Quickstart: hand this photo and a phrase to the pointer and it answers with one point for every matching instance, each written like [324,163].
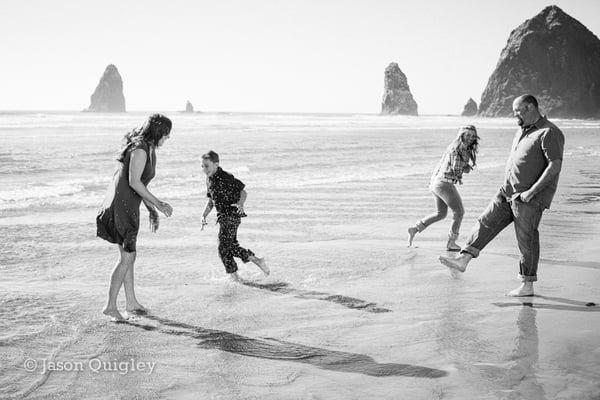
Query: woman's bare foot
[412,231]
[113,313]
[260,262]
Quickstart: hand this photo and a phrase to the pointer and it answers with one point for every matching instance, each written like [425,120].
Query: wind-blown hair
[153,129]
[460,143]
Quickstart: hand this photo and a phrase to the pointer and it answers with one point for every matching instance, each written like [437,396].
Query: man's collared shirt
[533,148]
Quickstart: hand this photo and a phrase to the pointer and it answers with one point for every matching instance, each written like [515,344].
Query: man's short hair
[529,99]
[212,156]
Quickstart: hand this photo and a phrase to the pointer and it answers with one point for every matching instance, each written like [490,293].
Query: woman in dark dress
[118,219]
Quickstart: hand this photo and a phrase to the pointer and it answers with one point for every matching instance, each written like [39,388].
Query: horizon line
[5,111]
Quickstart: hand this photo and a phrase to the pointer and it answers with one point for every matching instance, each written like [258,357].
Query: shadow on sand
[274,349]
[348,302]
[573,305]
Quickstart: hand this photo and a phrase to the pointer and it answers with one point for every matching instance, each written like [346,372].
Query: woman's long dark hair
[155,127]
[460,143]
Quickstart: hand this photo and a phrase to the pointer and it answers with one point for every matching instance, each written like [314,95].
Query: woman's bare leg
[132,305]
[116,280]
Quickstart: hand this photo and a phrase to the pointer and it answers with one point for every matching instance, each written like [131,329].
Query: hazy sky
[303,56]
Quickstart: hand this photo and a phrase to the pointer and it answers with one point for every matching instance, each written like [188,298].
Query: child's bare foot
[113,313]
[412,231]
[260,262]
[235,277]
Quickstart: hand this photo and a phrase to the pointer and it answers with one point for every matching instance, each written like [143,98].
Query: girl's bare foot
[260,262]
[113,313]
[412,231]
[235,277]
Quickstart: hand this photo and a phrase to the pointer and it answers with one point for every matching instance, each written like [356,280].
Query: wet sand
[381,321]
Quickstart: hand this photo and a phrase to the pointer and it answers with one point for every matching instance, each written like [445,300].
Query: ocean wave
[48,193]
[359,176]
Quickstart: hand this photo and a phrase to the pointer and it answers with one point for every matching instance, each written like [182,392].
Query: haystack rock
[470,108]
[397,98]
[553,57]
[108,96]
[189,108]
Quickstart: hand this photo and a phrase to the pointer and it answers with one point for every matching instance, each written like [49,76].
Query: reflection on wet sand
[521,379]
[349,302]
[287,351]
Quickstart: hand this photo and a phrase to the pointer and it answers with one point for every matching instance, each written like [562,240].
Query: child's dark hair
[153,129]
[212,156]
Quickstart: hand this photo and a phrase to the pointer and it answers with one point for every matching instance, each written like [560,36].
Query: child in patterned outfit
[459,158]
[226,193]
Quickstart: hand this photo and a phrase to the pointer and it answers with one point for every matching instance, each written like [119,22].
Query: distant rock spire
[470,108]
[397,98]
[108,96]
[553,57]
[189,108]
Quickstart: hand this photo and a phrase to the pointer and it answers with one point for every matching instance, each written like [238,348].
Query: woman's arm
[153,216]
[137,164]
[149,205]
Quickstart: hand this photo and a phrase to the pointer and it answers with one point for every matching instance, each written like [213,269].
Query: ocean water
[348,306]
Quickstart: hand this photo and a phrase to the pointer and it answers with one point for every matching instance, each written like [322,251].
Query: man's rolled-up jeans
[498,215]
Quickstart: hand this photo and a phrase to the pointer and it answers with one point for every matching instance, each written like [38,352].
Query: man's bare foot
[113,313]
[526,289]
[136,308]
[458,263]
[260,262]
[235,277]
[412,231]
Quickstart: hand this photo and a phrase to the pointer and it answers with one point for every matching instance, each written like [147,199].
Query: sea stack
[397,98]
[470,108]
[553,57]
[108,96]
[189,108]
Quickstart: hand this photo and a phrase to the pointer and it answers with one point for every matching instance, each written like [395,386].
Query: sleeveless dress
[118,220]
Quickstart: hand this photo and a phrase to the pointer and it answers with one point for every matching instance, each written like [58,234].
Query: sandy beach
[349,311]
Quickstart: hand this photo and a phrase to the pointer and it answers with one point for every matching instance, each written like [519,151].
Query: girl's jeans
[446,195]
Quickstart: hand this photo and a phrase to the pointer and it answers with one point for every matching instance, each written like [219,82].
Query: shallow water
[349,311]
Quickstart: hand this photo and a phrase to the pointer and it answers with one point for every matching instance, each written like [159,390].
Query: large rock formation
[470,108]
[189,108]
[397,98]
[108,96]
[553,57]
